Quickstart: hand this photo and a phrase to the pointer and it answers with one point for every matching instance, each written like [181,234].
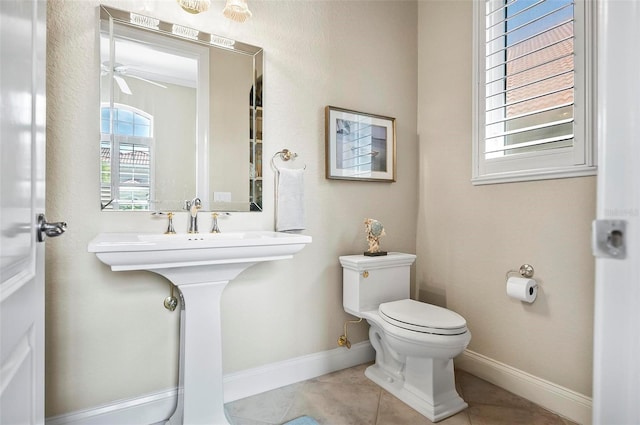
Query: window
[126,153]
[533,89]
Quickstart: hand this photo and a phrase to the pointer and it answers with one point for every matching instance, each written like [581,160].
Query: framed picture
[359,146]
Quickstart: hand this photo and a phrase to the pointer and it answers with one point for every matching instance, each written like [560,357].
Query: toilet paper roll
[522,289]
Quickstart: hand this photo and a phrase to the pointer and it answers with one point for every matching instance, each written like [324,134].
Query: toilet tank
[369,281]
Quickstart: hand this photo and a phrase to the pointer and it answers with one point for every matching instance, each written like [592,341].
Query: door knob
[49,229]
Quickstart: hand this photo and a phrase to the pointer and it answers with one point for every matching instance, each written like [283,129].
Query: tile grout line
[292,401]
[460,387]
[378,409]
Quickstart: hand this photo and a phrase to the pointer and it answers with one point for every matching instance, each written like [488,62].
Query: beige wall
[470,236]
[108,334]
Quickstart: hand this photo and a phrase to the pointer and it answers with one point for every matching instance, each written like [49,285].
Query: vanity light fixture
[144,21]
[194,6]
[221,41]
[185,32]
[237,10]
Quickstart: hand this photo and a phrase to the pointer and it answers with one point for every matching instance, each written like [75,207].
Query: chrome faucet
[193,206]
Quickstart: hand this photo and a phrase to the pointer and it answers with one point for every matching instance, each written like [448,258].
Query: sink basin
[131,251]
[207,236]
[200,265]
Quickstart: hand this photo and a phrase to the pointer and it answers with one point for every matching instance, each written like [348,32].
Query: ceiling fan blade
[124,87]
[146,81]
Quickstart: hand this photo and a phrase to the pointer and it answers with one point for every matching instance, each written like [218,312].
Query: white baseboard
[275,375]
[157,407]
[148,409]
[563,401]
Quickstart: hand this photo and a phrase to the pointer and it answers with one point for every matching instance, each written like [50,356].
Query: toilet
[415,342]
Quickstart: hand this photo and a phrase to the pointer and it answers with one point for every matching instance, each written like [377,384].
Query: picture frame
[359,146]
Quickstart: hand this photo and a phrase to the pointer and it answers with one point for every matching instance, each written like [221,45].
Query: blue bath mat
[302,420]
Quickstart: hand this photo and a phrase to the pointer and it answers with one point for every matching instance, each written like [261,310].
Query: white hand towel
[290,199]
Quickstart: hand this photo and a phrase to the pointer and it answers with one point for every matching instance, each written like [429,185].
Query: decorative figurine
[375,230]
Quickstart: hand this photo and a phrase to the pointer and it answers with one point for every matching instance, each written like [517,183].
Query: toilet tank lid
[363,262]
[422,314]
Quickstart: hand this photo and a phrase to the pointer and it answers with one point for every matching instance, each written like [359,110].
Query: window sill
[520,176]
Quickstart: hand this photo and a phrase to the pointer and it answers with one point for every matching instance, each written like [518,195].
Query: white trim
[615,335]
[531,175]
[157,407]
[275,375]
[581,158]
[563,401]
[148,409]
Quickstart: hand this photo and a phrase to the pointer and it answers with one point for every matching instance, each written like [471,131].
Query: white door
[616,392]
[22,150]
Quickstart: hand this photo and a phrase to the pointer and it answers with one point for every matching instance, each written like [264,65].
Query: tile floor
[347,397]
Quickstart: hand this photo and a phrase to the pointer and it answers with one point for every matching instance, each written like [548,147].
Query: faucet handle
[214,226]
[170,229]
[214,219]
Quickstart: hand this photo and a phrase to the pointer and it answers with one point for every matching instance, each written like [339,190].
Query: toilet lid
[422,317]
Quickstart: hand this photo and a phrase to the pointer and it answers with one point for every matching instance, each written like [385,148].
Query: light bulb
[237,10]
[194,6]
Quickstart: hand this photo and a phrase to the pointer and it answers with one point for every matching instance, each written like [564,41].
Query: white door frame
[616,374]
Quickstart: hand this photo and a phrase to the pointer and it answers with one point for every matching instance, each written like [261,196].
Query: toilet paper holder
[526,270]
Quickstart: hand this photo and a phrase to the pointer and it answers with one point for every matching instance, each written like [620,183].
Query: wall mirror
[180,116]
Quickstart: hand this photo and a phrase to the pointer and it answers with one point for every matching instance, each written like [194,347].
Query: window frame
[576,161]
[115,140]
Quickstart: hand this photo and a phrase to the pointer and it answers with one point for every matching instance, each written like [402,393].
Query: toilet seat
[422,317]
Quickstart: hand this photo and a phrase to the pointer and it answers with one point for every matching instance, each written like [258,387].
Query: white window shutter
[532,106]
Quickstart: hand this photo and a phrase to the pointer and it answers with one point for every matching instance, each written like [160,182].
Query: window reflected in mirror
[180,118]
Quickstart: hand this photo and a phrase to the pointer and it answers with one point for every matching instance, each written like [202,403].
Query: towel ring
[285,155]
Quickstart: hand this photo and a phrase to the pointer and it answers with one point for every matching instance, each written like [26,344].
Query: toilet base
[435,407]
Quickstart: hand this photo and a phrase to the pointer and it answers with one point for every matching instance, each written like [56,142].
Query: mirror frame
[158,26]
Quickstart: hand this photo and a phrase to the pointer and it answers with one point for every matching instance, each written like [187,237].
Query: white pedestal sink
[200,265]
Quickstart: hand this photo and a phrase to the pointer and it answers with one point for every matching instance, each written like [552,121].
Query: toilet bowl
[415,342]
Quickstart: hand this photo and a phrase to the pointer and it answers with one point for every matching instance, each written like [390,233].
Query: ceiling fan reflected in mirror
[120,71]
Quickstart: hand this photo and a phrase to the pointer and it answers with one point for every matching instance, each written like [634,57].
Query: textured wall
[468,237]
[108,335]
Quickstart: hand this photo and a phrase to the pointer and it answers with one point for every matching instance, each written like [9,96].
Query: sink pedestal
[200,266]
[200,392]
